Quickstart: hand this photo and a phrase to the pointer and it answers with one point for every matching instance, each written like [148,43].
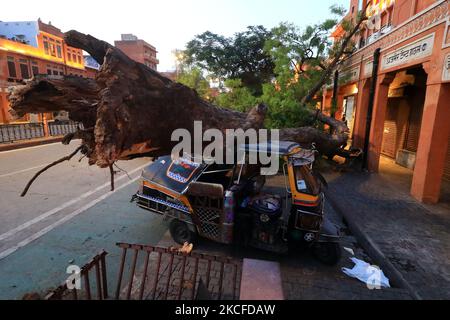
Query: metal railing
[171,275]
[155,273]
[99,283]
[21,131]
[59,128]
[28,131]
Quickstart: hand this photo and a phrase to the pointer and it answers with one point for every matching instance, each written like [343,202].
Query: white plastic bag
[372,276]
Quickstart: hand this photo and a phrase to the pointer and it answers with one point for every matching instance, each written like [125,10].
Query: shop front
[405,103]
[403,118]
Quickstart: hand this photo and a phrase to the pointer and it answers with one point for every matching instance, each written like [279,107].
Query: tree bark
[130,110]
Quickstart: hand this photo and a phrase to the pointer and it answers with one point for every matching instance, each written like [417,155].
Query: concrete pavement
[41,265]
[29,143]
[303,277]
[69,214]
[408,240]
[55,194]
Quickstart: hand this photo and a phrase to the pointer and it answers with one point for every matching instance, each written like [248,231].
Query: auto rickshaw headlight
[308,221]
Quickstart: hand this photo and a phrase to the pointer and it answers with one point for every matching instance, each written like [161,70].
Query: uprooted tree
[130,110]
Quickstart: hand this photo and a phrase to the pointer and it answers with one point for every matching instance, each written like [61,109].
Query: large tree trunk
[130,110]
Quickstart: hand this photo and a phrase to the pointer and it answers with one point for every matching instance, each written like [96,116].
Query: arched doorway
[402,125]
[404,117]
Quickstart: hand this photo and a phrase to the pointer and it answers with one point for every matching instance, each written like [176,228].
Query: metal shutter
[388,147]
[413,132]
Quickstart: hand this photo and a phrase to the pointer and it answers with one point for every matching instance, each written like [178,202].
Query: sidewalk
[303,277]
[6,146]
[408,240]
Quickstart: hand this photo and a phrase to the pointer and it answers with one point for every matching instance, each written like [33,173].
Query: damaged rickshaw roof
[174,174]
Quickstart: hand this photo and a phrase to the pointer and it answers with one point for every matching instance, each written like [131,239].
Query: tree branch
[66,158]
[327,73]
[111,172]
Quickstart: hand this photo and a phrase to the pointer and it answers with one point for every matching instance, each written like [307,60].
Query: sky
[169,24]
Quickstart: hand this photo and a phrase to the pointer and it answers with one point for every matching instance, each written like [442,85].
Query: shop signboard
[419,49]
[350,75]
[368,69]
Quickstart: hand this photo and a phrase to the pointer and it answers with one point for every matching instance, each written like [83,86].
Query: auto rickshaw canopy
[175,175]
[289,150]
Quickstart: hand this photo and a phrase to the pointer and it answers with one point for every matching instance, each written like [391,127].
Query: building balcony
[386,29]
[151,58]
[151,61]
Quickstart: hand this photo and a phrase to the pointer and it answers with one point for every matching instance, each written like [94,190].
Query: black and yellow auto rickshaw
[227,204]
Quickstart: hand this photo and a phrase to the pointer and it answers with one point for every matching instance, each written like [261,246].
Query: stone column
[45,125]
[3,107]
[378,117]
[433,144]
[361,106]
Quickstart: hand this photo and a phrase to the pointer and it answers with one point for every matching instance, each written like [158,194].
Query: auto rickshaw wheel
[328,253]
[181,233]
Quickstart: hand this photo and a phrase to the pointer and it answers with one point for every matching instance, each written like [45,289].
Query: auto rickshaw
[226,203]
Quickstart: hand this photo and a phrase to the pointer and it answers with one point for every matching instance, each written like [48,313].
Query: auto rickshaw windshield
[305,181]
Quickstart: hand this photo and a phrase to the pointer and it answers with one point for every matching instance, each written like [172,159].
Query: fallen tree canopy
[130,110]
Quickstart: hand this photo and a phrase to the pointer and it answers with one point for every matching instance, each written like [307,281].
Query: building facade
[407,116]
[138,50]
[30,48]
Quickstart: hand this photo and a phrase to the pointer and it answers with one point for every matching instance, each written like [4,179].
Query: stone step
[261,280]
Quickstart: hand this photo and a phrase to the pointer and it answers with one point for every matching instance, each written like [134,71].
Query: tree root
[111,171]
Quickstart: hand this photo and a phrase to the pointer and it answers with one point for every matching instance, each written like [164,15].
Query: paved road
[303,277]
[68,216]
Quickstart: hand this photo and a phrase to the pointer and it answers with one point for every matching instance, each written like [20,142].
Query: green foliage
[237,96]
[193,78]
[347,25]
[238,57]
[300,57]
[277,67]
[300,54]
[284,108]
[338,10]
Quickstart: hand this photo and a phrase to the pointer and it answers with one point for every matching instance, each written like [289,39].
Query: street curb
[27,144]
[374,251]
